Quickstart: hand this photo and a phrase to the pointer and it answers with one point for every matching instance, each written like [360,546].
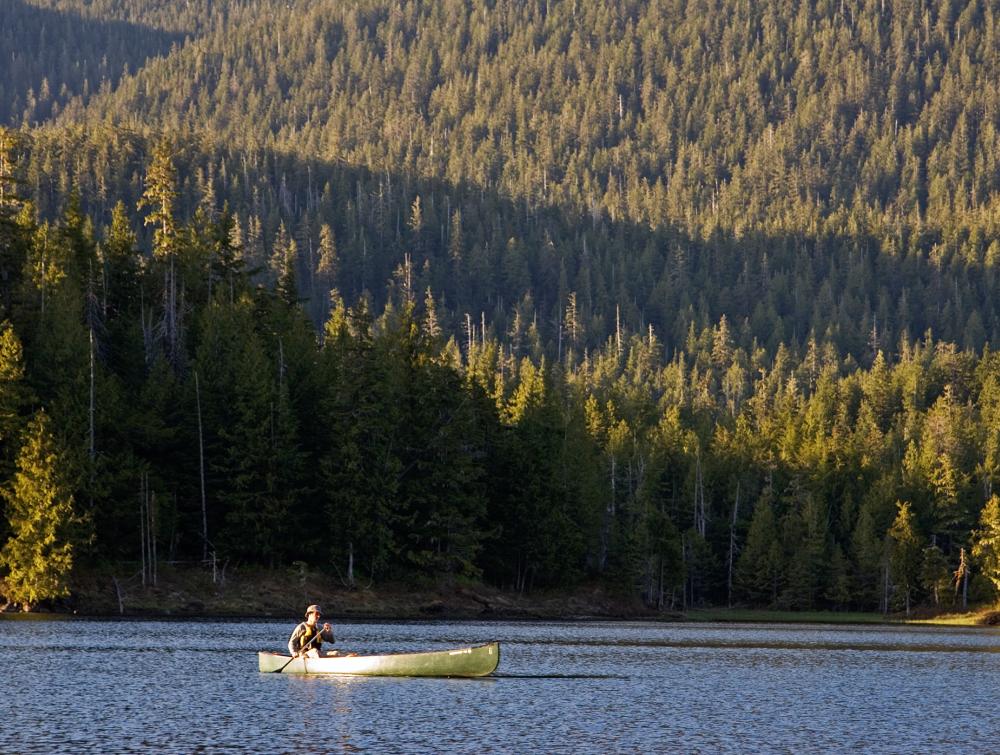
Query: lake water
[76,686]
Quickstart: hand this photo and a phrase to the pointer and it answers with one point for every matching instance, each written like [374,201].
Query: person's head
[313,613]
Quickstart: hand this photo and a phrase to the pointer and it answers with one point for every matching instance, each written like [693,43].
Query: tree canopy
[698,302]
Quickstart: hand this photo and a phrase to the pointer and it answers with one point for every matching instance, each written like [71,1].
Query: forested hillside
[694,298]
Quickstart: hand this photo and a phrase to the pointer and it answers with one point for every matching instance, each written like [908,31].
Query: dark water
[180,686]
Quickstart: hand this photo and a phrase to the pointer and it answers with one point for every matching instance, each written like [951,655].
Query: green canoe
[473,661]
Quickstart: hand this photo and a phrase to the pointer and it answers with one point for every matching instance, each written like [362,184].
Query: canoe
[479,660]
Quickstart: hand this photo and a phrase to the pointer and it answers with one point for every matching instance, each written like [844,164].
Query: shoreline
[262,594]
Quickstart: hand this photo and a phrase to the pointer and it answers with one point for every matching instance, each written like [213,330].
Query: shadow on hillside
[518,258]
[67,55]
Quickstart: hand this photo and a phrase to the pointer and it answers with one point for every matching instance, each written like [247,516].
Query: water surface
[193,686]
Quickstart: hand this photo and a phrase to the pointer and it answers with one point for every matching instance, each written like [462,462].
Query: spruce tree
[904,555]
[986,541]
[935,576]
[160,198]
[13,395]
[40,508]
[759,570]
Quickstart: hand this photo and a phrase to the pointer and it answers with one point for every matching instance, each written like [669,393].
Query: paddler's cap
[314,609]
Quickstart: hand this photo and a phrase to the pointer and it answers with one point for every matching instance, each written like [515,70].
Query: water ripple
[183,687]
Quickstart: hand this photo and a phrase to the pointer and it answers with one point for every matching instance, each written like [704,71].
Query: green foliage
[905,554]
[600,300]
[935,576]
[868,549]
[16,221]
[760,568]
[762,179]
[394,453]
[358,470]
[13,393]
[44,527]
[986,546]
[806,536]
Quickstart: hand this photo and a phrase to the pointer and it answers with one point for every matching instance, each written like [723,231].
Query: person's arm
[327,634]
[293,641]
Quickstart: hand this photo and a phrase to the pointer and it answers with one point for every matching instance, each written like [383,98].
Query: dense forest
[695,299]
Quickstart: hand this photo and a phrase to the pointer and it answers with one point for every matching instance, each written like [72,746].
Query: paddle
[301,651]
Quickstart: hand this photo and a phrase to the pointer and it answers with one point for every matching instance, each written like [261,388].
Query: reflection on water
[183,686]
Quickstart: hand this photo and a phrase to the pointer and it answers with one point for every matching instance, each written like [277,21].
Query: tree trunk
[684,587]
[885,589]
[350,564]
[201,470]
[143,530]
[152,537]
[732,547]
[118,593]
[91,450]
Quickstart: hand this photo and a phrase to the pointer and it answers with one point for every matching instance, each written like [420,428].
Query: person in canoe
[308,637]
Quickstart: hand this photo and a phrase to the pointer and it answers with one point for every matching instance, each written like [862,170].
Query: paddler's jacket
[303,633]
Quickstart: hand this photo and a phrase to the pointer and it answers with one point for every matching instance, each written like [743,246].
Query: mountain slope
[798,167]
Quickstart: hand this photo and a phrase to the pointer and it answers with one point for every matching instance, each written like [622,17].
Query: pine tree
[327,265]
[327,270]
[986,541]
[759,569]
[805,534]
[868,552]
[120,258]
[160,197]
[10,194]
[14,396]
[14,232]
[286,285]
[904,555]
[40,509]
[431,326]
[257,511]
[840,589]
[227,256]
[665,571]
[935,576]
[416,225]
[359,466]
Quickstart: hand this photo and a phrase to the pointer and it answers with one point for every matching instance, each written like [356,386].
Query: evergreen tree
[986,544]
[868,551]
[13,398]
[590,239]
[358,464]
[805,533]
[840,589]
[45,528]
[935,576]
[904,555]
[327,270]
[160,197]
[13,236]
[759,569]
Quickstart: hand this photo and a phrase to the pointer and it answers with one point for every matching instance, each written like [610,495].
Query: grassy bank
[980,617]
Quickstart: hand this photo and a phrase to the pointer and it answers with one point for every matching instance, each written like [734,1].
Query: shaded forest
[693,299]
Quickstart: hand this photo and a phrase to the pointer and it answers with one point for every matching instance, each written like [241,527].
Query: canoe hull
[480,660]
